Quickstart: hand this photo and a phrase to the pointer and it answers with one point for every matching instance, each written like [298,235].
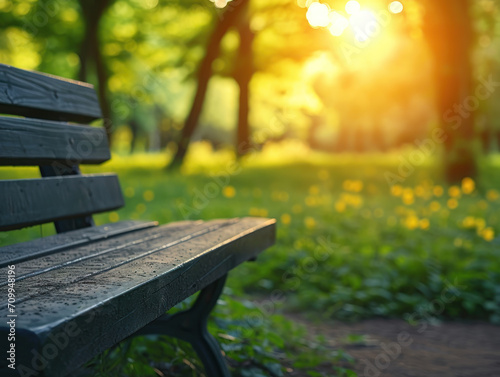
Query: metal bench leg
[191,326]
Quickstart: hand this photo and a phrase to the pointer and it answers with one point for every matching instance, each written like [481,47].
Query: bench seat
[80,292]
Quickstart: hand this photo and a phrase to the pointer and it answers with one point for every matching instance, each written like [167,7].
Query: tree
[90,52]
[227,20]
[243,72]
[449,33]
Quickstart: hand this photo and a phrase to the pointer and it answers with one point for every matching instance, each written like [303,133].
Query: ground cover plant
[350,246]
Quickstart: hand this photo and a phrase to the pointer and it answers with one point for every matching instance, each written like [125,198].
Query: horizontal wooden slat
[40,275]
[29,202]
[103,303]
[43,96]
[51,258]
[26,141]
[17,253]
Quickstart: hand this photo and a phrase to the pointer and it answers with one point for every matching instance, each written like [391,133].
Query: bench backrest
[48,136]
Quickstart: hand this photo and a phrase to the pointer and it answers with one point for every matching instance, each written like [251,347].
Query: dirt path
[396,349]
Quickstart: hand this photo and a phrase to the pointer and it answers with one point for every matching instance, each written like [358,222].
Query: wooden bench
[85,289]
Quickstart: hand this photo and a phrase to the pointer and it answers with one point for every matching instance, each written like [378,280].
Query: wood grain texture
[37,95]
[99,249]
[110,302]
[26,141]
[54,271]
[73,240]
[28,202]
[58,170]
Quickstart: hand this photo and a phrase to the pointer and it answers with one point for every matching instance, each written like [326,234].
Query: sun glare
[339,24]
[396,7]
[317,15]
[364,25]
[352,7]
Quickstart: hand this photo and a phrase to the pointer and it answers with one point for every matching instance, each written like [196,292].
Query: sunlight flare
[338,24]
[220,3]
[352,7]
[317,15]
[364,25]
[396,7]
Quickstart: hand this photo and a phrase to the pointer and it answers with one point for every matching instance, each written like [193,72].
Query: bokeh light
[396,7]
[301,3]
[317,15]
[220,3]
[352,7]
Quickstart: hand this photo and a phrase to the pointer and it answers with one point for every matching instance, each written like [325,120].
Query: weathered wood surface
[125,247]
[29,202]
[107,291]
[17,253]
[26,141]
[37,95]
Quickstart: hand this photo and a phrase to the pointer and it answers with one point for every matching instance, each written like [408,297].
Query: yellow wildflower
[229,191]
[469,222]
[397,190]
[492,195]
[412,222]
[314,190]
[435,206]
[419,191]
[129,192]
[468,186]
[286,219]
[438,191]
[114,217]
[309,222]
[340,206]
[454,192]
[408,197]
[254,211]
[488,234]
[480,224]
[148,195]
[424,224]
[452,203]
[357,186]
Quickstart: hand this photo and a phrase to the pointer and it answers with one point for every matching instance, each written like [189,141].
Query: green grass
[348,247]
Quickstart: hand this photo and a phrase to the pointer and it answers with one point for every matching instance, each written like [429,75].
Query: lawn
[349,247]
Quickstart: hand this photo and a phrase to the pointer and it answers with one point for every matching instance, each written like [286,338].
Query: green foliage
[253,348]
[348,247]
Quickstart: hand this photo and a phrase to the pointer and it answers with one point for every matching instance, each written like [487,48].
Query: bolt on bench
[89,287]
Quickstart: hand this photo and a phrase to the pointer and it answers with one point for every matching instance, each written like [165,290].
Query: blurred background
[370,130]
[335,77]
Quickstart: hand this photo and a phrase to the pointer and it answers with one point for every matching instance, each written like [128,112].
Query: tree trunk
[91,52]
[449,32]
[227,20]
[243,74]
